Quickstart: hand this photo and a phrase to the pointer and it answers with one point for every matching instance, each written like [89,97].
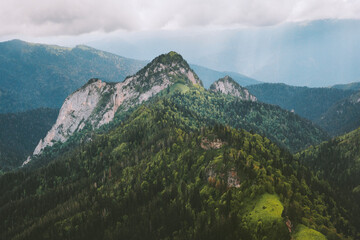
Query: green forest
[20,132]
[179,167]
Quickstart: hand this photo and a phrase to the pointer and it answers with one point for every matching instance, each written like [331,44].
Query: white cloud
[74,17]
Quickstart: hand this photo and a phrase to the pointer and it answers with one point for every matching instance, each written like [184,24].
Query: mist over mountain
[316,53]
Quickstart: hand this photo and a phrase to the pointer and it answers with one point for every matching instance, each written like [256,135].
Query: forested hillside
[159,175]
[309,103]
[20,132]
[338,161]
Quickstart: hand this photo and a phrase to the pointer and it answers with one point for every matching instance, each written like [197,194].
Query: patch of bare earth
[215,144]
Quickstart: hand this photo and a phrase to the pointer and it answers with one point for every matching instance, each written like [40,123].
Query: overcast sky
[41,18]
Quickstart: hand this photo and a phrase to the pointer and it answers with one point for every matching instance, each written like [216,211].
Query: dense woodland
[336,109]
[338,161]
[187,164]
[166,171]
[19,134]
[310,103]
[288,130]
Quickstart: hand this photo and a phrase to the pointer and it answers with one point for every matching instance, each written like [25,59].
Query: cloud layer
[74,17]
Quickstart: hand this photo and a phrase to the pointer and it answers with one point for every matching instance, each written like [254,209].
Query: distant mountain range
[37,75]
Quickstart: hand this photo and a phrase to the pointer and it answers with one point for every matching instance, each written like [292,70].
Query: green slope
[309,103]
[156,176]
[304,233]
[338,161]
[202,107]
[283,127]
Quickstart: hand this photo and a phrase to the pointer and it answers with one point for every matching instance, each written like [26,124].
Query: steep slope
[20,132]
[309,103]
[38,75]
[338,161]
[155,176]
[342,117]
[227,85]
[209,76]
[96,103]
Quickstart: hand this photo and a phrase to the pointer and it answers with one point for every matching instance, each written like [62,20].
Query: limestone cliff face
[227,85]
[97,102]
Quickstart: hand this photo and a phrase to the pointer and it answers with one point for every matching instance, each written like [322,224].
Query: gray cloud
[74,17]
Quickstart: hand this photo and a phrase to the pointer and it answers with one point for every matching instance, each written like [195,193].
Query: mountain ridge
[96,103]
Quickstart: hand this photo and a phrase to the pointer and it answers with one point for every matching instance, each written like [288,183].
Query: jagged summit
[96,102]
[167,68]
[227,85]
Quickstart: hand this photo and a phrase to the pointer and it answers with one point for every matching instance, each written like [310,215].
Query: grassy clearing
[267,209]
[304,233]
[179,87]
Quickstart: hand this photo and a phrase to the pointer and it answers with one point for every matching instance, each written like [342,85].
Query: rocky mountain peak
[96,102]
[167,68]
[227,85]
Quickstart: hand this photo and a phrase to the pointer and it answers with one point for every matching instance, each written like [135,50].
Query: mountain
[156,175]
[20,132]
[38,75]
[209,76]
[227,85]
[96,103]
[310,103]
[349,86]
[343,116]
